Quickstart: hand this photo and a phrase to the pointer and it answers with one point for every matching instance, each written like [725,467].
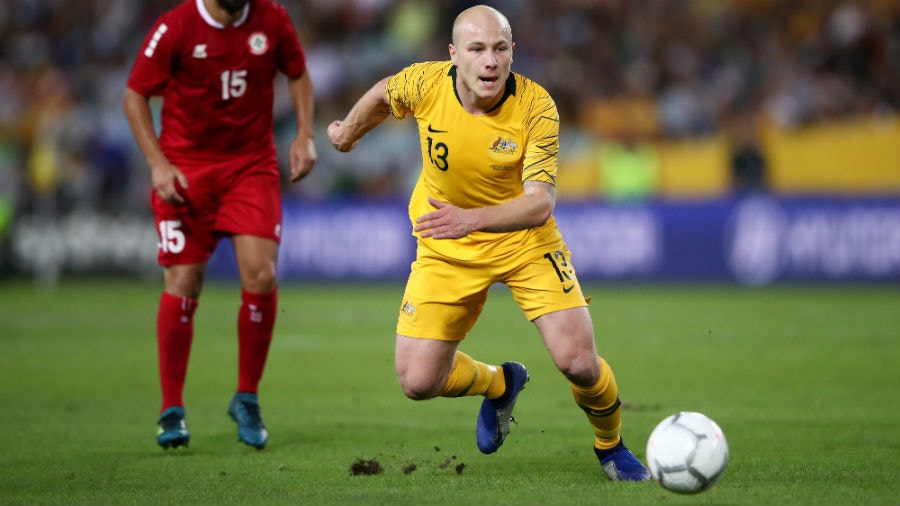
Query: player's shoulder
[427,69]
[270,6]
[185,10]
[532,96]
[418,79]
[527,87]
[270,15]
[180,17]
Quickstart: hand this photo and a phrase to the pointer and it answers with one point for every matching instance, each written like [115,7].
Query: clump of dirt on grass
[369,467]
[446,463]
[366,467]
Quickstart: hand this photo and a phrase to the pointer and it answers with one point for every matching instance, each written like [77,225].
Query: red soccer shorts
[240,196]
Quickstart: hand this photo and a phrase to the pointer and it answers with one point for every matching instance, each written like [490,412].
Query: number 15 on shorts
[171,238]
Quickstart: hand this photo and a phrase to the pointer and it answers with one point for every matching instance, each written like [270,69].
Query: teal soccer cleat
[621,465]
[496,414]
[172,431]
[244,409]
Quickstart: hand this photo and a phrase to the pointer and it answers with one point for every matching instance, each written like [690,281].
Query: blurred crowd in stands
[618,69]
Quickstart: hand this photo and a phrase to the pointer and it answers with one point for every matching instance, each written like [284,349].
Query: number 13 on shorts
[564,271]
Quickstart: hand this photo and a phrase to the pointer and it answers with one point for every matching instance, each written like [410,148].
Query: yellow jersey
[478,160]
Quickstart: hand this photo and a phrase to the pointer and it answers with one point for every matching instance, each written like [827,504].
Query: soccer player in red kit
[215,174]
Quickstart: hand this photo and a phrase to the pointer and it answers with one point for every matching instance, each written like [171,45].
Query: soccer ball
[687,453]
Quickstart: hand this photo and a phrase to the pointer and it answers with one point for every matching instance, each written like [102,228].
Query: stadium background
[755,141]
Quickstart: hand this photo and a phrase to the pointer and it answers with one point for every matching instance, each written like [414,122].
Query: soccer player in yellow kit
[482,214]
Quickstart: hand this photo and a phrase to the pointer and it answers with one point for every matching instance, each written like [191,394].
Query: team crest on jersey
[258,43]
[505,146]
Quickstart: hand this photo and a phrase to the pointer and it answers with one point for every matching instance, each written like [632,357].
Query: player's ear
[452,49]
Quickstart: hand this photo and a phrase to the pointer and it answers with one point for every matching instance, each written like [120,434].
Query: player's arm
[303,149]
[532,209]
[165,175]
[368,112]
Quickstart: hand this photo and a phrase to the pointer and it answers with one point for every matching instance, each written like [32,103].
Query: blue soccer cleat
[172,431]
[621,465]
[244,409]
[496,414]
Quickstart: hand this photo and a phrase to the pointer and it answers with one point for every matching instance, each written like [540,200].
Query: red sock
[256,320]
[174,333]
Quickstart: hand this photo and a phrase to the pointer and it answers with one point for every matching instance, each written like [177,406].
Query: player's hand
[303,157]
[335,129]
[166,181]
[445,222]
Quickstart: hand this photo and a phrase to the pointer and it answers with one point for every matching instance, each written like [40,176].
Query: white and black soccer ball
[687,452]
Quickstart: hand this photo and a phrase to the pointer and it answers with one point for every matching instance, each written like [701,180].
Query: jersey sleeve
[291,58]
[542,122]
[152,67]
[406,89]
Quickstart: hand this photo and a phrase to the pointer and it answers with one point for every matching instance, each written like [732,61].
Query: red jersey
[217,82]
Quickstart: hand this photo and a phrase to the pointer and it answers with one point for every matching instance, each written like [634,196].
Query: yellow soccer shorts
[445,296]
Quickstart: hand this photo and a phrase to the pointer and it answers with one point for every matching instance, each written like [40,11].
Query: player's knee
[417,395]
[260,280]
[419,389]
[580,368]
[184,280]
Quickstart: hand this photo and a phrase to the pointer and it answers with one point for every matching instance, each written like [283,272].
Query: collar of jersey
[508,90]
[215,24]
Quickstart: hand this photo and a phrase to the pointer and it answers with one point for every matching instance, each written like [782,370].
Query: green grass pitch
[802,379]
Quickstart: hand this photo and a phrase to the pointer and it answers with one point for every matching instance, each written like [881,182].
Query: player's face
[482,53]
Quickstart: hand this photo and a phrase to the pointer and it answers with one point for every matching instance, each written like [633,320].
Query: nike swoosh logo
[569,289]
[432,130]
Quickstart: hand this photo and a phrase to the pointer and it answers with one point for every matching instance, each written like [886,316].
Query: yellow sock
[601,404]
[471,377]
